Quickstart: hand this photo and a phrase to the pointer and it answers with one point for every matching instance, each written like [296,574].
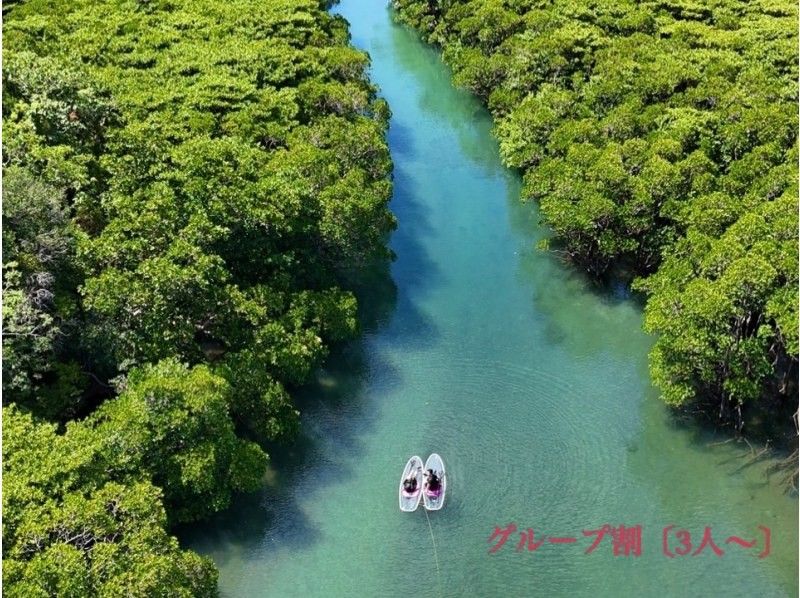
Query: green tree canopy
[186,185]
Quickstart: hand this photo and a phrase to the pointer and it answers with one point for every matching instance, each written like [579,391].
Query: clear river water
[531,384]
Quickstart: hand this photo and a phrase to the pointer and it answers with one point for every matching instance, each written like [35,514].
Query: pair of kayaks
[433,499]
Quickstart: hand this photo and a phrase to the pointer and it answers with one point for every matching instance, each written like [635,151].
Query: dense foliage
[185,185]
[659,137]
[70,529]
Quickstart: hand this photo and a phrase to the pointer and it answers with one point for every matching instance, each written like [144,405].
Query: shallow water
[532,386]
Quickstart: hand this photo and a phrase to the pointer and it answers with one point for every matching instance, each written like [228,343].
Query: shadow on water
[401,140]
[768,435]
[414,271]
[334,413]
[466,115]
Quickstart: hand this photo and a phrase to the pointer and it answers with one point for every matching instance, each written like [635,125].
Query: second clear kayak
[435,486]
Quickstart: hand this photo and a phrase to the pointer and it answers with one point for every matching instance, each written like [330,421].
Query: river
[530,384]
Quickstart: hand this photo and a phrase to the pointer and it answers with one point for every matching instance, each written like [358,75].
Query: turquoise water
[531,385]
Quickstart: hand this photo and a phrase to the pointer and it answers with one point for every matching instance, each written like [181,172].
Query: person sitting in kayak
[410,485]
[434,482]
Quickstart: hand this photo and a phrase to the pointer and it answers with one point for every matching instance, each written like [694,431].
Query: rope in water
[435,554]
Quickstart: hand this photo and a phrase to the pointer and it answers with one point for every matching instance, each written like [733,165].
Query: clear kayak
[409,500]
[434,496]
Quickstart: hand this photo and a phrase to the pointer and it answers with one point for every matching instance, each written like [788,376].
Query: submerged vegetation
[660,138]
[185,185]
